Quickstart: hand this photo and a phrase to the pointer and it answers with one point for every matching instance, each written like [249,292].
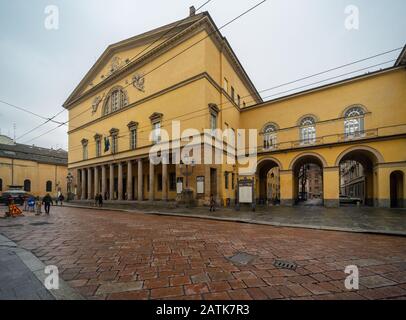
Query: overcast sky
[280,41]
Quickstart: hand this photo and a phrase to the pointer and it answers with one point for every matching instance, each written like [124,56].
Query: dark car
[349,200]
[17,195]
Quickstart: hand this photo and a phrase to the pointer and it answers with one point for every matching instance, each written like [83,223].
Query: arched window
[269,136]
[116,100]
[308,130]
[49,186]
[27,185]
[354,122]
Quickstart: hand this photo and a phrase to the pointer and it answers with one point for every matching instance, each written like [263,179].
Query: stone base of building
[383,203]
[331,203]
[287,202]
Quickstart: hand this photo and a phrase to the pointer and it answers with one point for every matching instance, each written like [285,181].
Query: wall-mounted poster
[245,191]
[200,185]
[179,185]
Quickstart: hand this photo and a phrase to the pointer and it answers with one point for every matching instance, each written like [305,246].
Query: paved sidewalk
[349,219]
[22,276]
[17,282]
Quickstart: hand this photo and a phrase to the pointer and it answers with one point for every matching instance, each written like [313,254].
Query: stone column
[140,180]
[151,181]
[120,181]
[129,180]
[104,186]
[89,183]
[164,182]
[83,187]
[111,191]
[96,181]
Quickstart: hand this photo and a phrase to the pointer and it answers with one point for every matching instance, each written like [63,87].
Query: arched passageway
[396,189]
[357,185]
[308,180]
[268,182]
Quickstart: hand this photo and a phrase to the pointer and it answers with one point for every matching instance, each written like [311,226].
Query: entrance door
[213,182]
[396,189]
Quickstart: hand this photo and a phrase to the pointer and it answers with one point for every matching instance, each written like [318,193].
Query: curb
[37,267]
[250,221]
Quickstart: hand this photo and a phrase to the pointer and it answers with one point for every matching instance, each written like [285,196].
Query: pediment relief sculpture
[139,81]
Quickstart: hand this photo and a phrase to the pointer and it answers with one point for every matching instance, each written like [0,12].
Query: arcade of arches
[316,177]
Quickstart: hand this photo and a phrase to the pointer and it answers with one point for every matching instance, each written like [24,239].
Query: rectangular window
[213,121]
[232,94]
[98,148]
[156,127]
[226,180]
[172,181]
[85,153]
[114,144]
[133,139]
[225,85]
[233,181]
[239,100]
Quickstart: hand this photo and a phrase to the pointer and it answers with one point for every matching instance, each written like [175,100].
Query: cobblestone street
[117,255]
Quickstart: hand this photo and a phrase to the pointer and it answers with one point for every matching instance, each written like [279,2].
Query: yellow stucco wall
[15,172]
[183,88]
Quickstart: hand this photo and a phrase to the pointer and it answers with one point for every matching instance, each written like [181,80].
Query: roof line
[323,87]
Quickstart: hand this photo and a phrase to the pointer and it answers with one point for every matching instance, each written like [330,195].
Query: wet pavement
[353,219]
[105,254]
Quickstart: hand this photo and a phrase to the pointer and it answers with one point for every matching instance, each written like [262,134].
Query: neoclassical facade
[187,72]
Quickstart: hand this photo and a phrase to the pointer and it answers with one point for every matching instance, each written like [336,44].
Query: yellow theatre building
[36,170]
[187,71]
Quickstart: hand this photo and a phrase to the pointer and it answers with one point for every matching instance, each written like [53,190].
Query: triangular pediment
[120,55]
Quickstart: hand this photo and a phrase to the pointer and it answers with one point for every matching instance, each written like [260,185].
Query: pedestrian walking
[100,200]
[212,203]
[61,199]
[38,206]
[47,201]
[25,204]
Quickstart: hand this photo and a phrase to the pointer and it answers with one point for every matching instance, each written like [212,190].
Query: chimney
[192,11]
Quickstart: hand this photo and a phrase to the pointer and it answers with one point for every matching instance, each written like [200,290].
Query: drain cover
[285,264]
[39,223]
[242,258]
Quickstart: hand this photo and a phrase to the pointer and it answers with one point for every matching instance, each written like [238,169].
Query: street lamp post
[69,179]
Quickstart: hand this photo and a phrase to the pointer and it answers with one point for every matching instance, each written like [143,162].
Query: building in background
[310,182]
[36,170]
[352,180]
[187,71]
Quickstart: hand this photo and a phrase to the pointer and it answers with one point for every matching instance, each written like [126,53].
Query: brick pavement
[117,255]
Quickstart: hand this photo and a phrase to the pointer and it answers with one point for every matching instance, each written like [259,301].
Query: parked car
[349,200]
[17,195]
